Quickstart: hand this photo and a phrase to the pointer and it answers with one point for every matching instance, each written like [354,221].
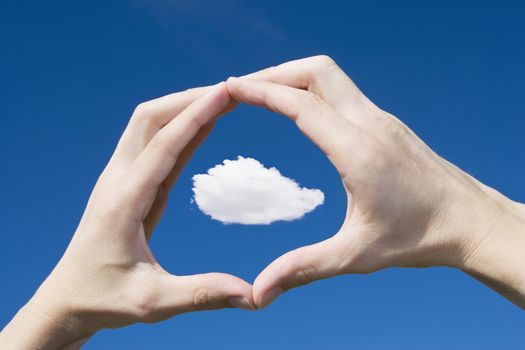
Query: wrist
[495,254]
[45,323]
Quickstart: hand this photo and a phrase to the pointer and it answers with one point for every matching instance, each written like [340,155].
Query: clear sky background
[71,73]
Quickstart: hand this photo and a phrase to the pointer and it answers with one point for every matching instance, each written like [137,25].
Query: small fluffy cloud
[243,191]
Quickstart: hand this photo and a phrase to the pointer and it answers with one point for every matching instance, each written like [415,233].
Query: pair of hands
[406,207]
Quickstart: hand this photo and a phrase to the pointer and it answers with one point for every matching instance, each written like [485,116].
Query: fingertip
[296,268]
[265,289]
[211,291]
[231,83]
[220,95]
[268,297]
[237,291]
[240,293]
[240,302]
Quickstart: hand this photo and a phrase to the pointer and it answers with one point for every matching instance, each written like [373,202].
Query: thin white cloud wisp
[243,191]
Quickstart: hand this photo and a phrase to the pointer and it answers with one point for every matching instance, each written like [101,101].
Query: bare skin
[108,276]
[406,207]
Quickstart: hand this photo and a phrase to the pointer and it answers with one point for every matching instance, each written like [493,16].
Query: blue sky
[72,72]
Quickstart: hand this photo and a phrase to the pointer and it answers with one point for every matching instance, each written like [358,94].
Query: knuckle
[142,109]
[307,274]
[143,113]
[202,300]
[324,61]
[320,67]
[321,64]
[390,124]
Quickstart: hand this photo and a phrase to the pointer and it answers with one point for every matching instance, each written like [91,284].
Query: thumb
[297,267]
[210,291]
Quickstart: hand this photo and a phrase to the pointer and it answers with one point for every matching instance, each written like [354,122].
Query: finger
[320,75]
[179,294]
[159,204]
[188,152]
[155,163]
[162,196]
[296,268]
[331,132]
[148,118]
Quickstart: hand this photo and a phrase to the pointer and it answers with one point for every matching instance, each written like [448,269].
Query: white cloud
[243,191]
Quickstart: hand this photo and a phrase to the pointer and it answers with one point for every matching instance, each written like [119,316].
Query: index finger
[158,159]
[317,120]
[320,75]
[148,118]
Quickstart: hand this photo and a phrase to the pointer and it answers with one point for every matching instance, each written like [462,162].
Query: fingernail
[224,99]
[270,296]
[240,303]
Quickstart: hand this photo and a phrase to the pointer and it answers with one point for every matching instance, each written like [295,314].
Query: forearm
[498,260]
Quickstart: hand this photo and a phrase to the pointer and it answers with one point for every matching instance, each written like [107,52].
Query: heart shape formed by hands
[402,201]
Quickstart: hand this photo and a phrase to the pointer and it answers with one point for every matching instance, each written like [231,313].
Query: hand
[406,205]
[108,277]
